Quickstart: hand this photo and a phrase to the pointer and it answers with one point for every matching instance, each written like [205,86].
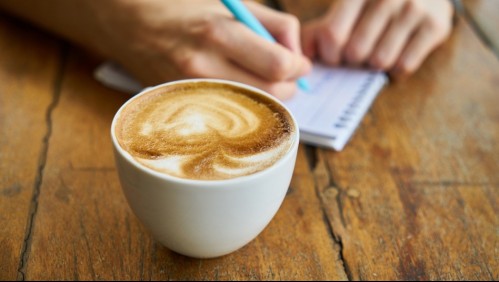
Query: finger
[414,53]
[266,59]
[285,28]
[336,29]
[309,39]
[374,20]
[214,65]
[393,40]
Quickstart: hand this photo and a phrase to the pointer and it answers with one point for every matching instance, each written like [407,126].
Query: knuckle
[210,29]
[190,64]
[414,8]
[333,36]
[385,3]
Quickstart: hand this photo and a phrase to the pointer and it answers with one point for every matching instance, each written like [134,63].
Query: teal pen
[242,14]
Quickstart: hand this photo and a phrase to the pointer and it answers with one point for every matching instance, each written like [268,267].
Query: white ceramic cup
[204,218]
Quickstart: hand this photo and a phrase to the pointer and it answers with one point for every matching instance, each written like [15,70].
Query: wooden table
[414,195]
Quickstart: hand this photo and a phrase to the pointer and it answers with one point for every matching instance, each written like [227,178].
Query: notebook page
[335,105]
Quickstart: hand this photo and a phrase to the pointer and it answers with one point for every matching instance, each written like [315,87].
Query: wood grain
[85,230]
[424,170]
[414,196]
[28,76]
[305,10]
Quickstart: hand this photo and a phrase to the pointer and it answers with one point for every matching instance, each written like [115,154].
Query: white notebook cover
[327,115]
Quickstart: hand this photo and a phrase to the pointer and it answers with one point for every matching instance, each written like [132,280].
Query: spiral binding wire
[351,110]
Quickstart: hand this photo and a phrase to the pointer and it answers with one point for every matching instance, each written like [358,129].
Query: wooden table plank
[85,230]
[304,10]
[413,196]
[483,13]
[28,74]
[415,193]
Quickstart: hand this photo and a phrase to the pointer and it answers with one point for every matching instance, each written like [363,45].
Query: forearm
[80,21]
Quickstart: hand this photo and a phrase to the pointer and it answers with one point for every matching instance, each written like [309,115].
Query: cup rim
[204,182]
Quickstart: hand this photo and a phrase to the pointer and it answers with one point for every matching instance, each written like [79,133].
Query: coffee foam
[205,130]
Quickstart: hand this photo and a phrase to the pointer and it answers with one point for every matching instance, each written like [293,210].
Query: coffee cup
[194,203]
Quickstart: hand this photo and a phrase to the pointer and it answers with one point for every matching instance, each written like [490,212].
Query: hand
[163,40]
[177,39]
[390,35]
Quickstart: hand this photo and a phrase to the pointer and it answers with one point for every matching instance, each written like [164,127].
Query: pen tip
[303,85]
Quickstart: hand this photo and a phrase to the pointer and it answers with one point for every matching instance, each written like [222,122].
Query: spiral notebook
[327,115]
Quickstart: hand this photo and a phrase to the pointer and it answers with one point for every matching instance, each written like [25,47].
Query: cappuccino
[205,130]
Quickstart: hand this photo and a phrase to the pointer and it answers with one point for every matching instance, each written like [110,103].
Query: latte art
[205,130]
